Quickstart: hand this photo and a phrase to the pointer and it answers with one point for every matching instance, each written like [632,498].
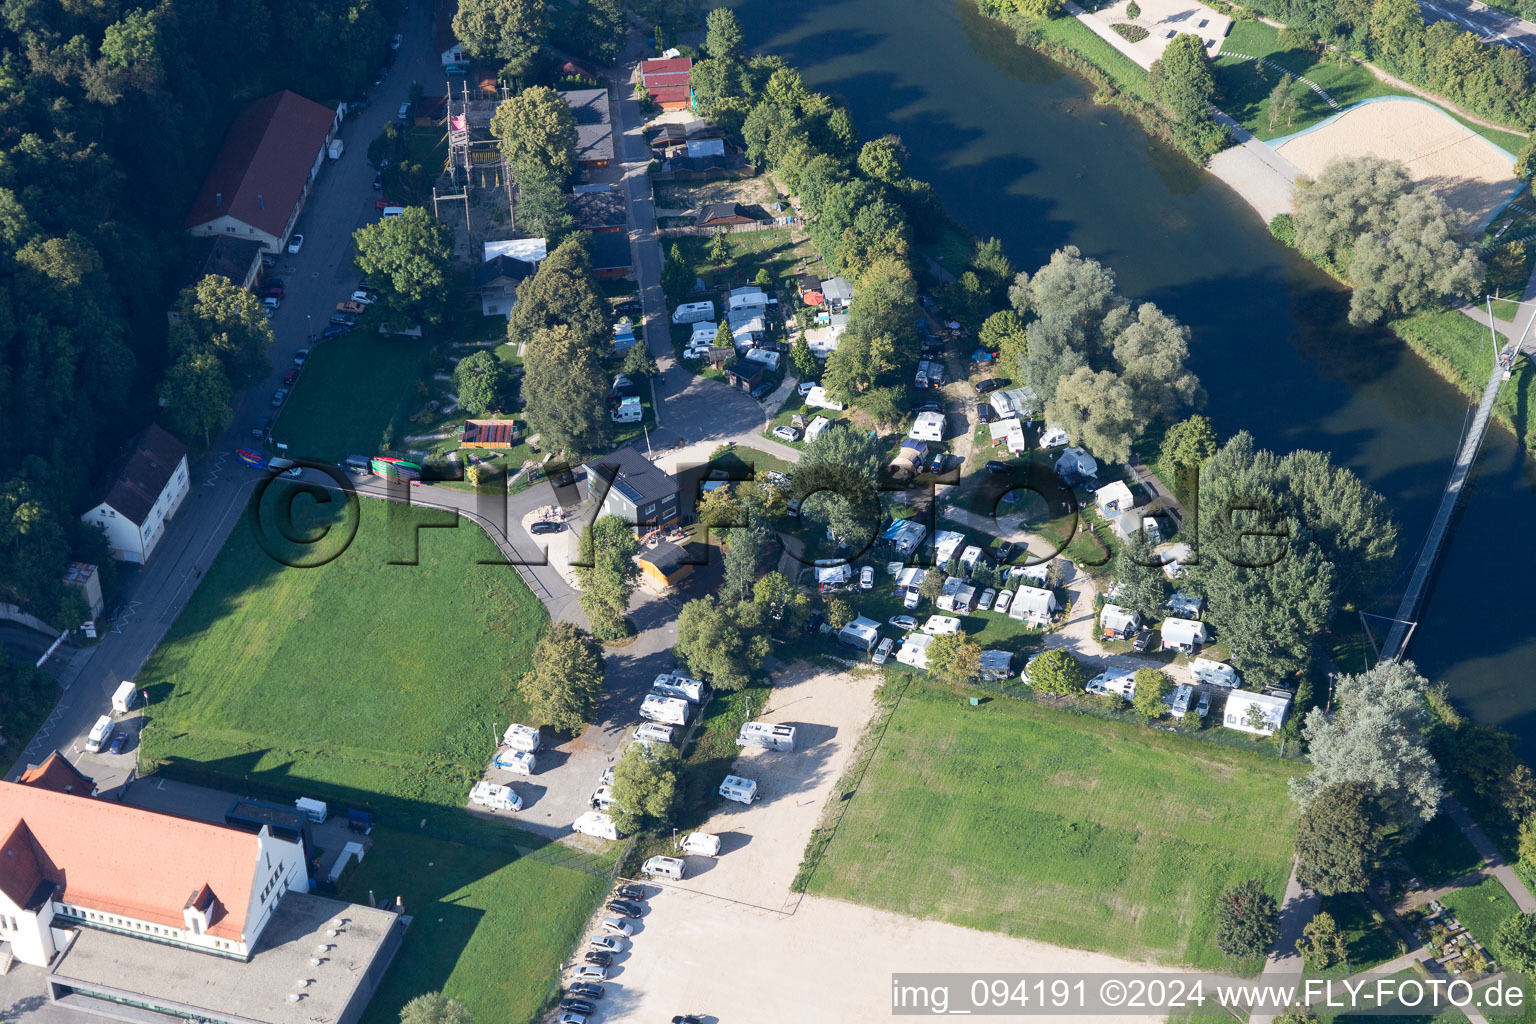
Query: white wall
[279,867]
[122,535]
[29,934]
[227,226]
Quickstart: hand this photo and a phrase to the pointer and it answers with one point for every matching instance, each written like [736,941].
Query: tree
[719,249]
[1282,102]
[541,208]
[1181,79]
[511,31]
[954,658]
[1296,1015]
[646,786]
[1149,350]
[722,36]
[483,383]
[1322,944]
[1151,687]
[1397,35]
[716,641]
[435,1008]
[781,600]
[723,337]
[838,613]
[609,578]
[719,508]
[1139,582]
[677,275]
[1189,442]
[197,395]
[1422,258]
[1337,840]
[1098,411]
[803,360]
[1004,333]
[1246,920]
[216,316]
[565,685]
[1057,671]
[598,29]
[1350,197]
[638,362]
[1516,942]
[537,129]
[882,159]
[743,552]
[1132,10]
[836,482]
[1527,841]
[564,391]
[1375,738]
[409,258]
[1525,160]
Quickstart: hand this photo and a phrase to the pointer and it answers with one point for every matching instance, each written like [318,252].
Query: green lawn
[491,927]
[1244,86]
[1073,34]
[1368,940]
[773,249]
[1462,351]
[1481,909]
[1018,818]
[347,395]
[358,681]
[1441,853]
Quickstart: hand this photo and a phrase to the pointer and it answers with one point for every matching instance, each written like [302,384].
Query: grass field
[774,250]
[359,681]
[347,395]
[1244,86]
[1016,818]
[1462,351]
[491,927]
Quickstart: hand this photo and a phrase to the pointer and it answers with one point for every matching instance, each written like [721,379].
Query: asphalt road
[1491,23]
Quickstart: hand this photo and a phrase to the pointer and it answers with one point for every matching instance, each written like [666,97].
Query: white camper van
[99,734]
[316,809]
[702,844]
[494,797]
[667,710]
[663,867]
[124,696]
[690,690]
[595,823]
[518,762]
[766,734]
[736,788]
[523,737]
[654,732]
[602,798]
[693,312]
[629,411]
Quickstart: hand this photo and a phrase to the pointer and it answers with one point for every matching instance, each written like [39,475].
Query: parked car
[295,244]
[395,41]
[119,738]
[629,307]
[805,387]
[272,302]
[455,69]
[1007,550]
[335,331]
[912,598]
[618,926]
[607,943]
[263,425]
[991,384]
[883,651]
[1203,707]
[625,908]
[366,296]
[544,526]
[624,892]
[929,407]
[572,1018]
[786,433]
[289,377]
[601,957]
[590,972]
[985,413]
[997,467]
[300,357]
[586,990]
[577,1005]
[344,319]
[984,602]
[279,396]
[1004,599]
[904,622]
[272,291]
[355,308]
[936,464]
[1141,640]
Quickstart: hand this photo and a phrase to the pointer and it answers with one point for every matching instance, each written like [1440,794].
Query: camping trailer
[123,697]
[664,867]
[690,690]
[316,809]
[523,737]
[736,788]
[702,844]
[1213,673]
[693,312]
[767,735]
[654,732]
[595,823]
[667,710]
[494,797]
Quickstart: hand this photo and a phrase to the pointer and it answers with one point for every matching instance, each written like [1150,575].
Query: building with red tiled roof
[264,171]
[59,776]
[144,490]
[667,80]
[67,860]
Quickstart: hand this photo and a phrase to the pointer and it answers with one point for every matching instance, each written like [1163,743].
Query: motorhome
[1213,673]
[124,696]
[629,411]
[523,737]
[691,690]
[99,734]
[598,824]
[654,732]
[316,809]
[494,797]
[602,799]
[767,735]
[736,788]
[664,867]
[518,762]
[702,844]
[693,312]
[667,710]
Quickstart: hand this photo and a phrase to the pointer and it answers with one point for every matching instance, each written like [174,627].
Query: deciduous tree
[564,391]
[197,395]
[1098,411]
[483,383]
[717,642]
[1322,944]
[509,31]
[1151,687]
[1246,920]
[537,129]
[1181,79]
[646,786]
[803,360]
[609,577]
[408,257]
[1139,583]
[1057,671]
[217,316]
[565,684]
[1338,839]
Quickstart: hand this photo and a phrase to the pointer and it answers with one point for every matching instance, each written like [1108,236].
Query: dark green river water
[1016,148]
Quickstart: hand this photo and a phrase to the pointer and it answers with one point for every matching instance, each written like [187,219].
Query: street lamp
[307,330]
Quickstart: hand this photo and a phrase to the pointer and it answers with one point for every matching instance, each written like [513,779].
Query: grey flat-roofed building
[131,977]
[594,133]
[631,487]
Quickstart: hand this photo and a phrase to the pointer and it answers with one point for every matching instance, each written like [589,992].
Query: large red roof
[265,161]
[665,66]
[118,859]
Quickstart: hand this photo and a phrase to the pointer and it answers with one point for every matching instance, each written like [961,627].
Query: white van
[404,113]
[629,411]
[663,867]
[693,312]
[690,690]
[518,762]
[316,809]
[667,710]
[702,844]
[767,735]
[603,798]
[595,823]
[736,788]
[494,797]
[124,696]
[523,737]
[393,211]
[99,734]
[654,732]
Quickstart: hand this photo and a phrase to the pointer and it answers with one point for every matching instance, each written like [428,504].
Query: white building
[838,293]
[1034,606]
[145,490]
[1261,714]
[1115,621]
[928,427]
[1114,497]
[454,55]
[1183,634]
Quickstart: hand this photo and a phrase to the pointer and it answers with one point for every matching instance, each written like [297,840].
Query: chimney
[218,199]
[261,203]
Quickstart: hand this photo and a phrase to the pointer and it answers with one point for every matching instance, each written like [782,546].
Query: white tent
[1183,634]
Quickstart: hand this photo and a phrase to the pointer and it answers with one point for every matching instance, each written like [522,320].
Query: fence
[730,229]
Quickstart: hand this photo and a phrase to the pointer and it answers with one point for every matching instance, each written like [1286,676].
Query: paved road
[1491,23]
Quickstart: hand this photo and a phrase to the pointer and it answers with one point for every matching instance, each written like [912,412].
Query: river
[1016,148]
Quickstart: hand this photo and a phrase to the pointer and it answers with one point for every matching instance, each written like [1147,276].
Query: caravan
[523,737]
[664,867]
[316,809]
[693,312]
[666,710]
[690,690]
[494,797]
[595,823]
[736,788]
[123,697]
[766,735]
